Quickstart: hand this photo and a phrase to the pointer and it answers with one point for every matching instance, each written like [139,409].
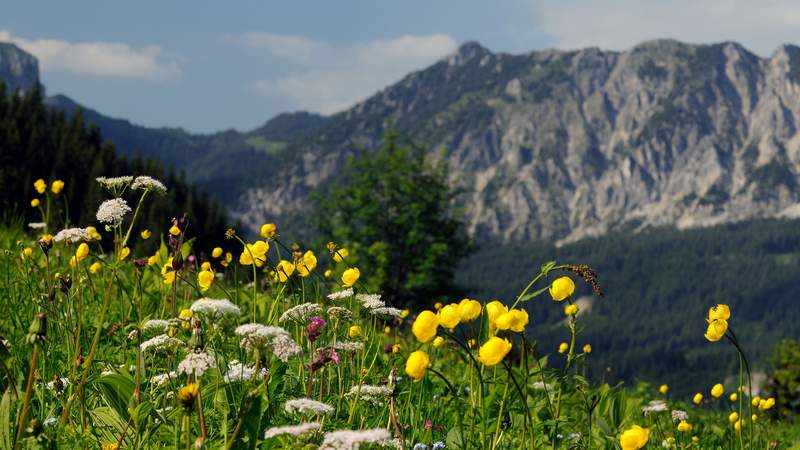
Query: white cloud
[620,24]
[329,78]
[104,59]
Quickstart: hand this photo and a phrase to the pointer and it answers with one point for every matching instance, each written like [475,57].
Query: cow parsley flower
[155,326]
[370,301]
[307,406]
[215,309]
[349,346]
[301,313]
[350,439]
[341,294]
[113,211]
[146,183]
[339,313]
[161,342]
[655,406]
[386,312]
[72,235]
[240,372]
[292,430]
[37,225]
[115,184]
[370,394]
[163,378]
[268,338]
[197,364]
[678,415]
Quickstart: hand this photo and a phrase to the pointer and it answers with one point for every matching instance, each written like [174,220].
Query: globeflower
[354,331]
[205,278]
[684,427]
[717,390]
[255,253]
[716,330]
[268,230]
[123,253]
[563,347]
[733,417]
[340,254]
[449,317]
[514,320]
[697,398]
[571,309]
[587,349]
[734,396]
[764,405]
[469,309]
[562,288]
[95,267]
[417,364]
[35,202]
[350,276]
[56,187]
[307,263]
[167,272]
[174,230]
[217,252]
[93,233]
[719,312]
[284,270]
[493,351]
[495,309]
[634,438]
[425,326]
[145,234]
[438,342]
[40,186]
[663,389]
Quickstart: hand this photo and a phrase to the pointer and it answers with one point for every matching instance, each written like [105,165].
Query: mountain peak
[466,52]
[18,68]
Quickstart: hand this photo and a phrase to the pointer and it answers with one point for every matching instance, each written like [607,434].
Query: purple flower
[314,329]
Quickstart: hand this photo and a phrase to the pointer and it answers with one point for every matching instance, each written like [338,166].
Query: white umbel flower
[307,406]
[655,406]
[386,312]
[37,225]
[370,301]
[268,338]
[239,372]
[349,346]
[155,326]
[72,235]
[301,313]
[163,378]
[215,309]
[146,183]
[114,183]
[350,439]
[197,364]
[292,430]
[113,211]
[678,415]
[341,294]
[337,312]
[370,394]
[162,342]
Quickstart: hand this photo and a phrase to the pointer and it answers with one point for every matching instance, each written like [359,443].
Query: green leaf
[547,267]
[531,295]
[116,390]
[5,420]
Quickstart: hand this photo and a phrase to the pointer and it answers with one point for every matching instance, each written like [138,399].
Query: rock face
[566,144]
[18,69]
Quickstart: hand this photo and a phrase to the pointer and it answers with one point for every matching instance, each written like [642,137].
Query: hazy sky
[211,65]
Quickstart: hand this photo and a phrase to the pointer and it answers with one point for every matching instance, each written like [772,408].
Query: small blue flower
[466,390]
[438,445]
[420,447]
[50,420]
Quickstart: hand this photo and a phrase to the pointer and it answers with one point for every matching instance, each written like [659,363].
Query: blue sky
[207,66]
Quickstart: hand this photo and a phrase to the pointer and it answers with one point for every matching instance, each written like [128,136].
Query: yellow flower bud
[327,273]
[417,364]
[123,253]
[716,330]
[396,348]
[354,331]
[205,278]
[571,309]
[205,266]
[756,400]
[734,396]
[425,326]
[449,316]
[95,267]
[697,398]
[145,234]
[587,348]
[82,252]
[684,427]
[563,347]
[733,417]
[562,288]
[217,252]
[663,389]
[174,230]
[717,390]
[35,202]
[93,233]
[350,276]
[494,309]
[493,351]
[268,230]
[56,187]
[40,186]
[719,312]
[438,342]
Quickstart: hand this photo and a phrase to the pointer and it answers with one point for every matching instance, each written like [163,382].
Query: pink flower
[315,328]
[428,424]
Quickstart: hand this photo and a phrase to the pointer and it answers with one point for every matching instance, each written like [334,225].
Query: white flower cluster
[337,312]
[162,342]
[239,372]
[58,385]
[538,385]
[37,225]
[370,394]
[114,183]
[655,406]
[307,406]
[113,211]
[163,378]
[155,326]
[386,312]
[146,183]
[349,346]
[268,338]
[341,294]
[292,430]
[214,309]
[370,301]
[72,235]
[350,439]
[301,313]
[678,415]
[197,364]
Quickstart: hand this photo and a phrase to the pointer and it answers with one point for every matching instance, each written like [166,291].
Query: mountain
[19,70]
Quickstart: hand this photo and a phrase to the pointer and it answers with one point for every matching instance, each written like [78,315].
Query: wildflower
[764,405]
[438,342]
[339,313]
[268,338]
[738,425]
[214,309]
[113,211]
[145,234]
[387,330]
[495,309]
[755,401]
[405,312]
[563,347]
[292,430]
[37,225]
[123,253]
[514,320]
[174,230]
[350,439]
[72,235]
[350,276]
[663,389]
[679,415]
[205,278]
[354,331]
[449,316]
[716,330]
[437,306]
[307,263]
[93,234]
[95,267]
[685,427]
[420,446]
[719,312]
[345,293]
[562,288]
[155,325]
[438,445]
[196,364]
[417,364]
[145,183]
[734,396]
[40,186]
[717,390]
[268,230]
[655,406]
[697,398]
[587,349]
[301,313]
[109,446]
[187,395]
[754,417]
[386,312]
[571,309]
[35,202]
[733,417]
[634,438]
[217,252]
[284,271]
[82,252]
[370,394]
[161,343]
[348,346]
[314,329]
[115,184]
[167,272]
[396,348]
[425,327]
[493,351]
[340,254]
[370,301]
[307,406]
[27,252]
[327,273]
[56,187]
[227,260]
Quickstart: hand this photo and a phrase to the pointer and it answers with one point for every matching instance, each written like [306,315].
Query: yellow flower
[205,266]
[307,263]
[738,425]
[563,347]
[717,390]
[174,230]
[587,348]
[340,254]
[268,230]
[733,417]
[354,331]
[109,446]
[417,364]
[205,278]
[571,309]
[93,233]
[684,427]
[73,262]
[754,417]
[167,272]
[35,202]
[438,342]
[56,187]
[228,258]
[493,351]
[257,252]
[27,252]
[123,253]
[716,330]
[634,438]
[387,330]
[425,326]
[95,267]
[327,273]
[187,395]
[449,316]
[764,405]
[756,400]
[472,343]
[153,259]
[697,398]
[82,252]
[663,389]
[495,309]
[47,238]
[562,288]
[145,234]
[734,396]
[469,309]
[514,320]
[719,312]
[396,348]
[350,276]
[217,252]
[186,315]
[404,313]
[40,186]
[284,270]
